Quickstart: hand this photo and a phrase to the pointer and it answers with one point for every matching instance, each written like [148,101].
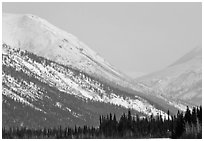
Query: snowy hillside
[46,87]
[38,36]
[58,80]
[180,81]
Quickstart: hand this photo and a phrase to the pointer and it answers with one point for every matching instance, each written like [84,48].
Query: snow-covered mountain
[181,81]
[51,78]
[34,34]
[33,84]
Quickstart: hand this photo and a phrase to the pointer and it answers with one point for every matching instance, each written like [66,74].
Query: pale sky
[136,38]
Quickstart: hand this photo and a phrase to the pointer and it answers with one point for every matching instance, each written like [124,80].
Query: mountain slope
[36,35]
[180,81]
[58,80]
[45,91]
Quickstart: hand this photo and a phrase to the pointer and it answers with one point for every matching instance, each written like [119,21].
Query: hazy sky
[134,37]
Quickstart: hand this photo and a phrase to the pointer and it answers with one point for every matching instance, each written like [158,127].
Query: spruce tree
[194,116]
[188,115]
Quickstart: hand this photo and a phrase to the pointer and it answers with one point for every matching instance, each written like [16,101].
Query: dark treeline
[182,125]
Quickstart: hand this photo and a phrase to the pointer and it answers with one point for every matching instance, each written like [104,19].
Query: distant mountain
[181,81]
[50,78]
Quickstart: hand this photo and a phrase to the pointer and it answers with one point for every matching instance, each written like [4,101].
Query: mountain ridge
[54,43]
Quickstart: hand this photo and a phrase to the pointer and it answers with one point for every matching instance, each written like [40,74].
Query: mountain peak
[27,27]
[36,35]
